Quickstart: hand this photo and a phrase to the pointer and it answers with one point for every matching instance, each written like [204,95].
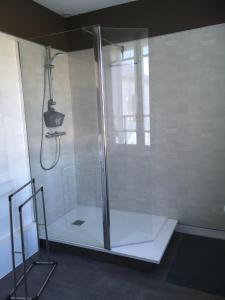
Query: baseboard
[206,232]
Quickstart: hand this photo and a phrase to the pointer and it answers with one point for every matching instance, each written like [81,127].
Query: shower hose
[57,138]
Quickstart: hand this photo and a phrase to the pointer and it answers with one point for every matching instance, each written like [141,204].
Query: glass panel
[124,89]
[131,138]
[130,123]
[126,69]
[145,85]
[147,139]
[70,151]
[146,123]
[120,138]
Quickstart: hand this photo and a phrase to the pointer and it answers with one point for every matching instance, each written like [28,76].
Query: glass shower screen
[95,171]
[126,80]
[73,187]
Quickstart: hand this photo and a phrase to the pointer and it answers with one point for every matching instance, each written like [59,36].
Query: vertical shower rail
[23,278]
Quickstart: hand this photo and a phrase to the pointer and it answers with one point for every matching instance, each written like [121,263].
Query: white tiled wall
[188,126]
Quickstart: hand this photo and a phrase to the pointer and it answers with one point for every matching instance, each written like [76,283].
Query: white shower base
[137,235]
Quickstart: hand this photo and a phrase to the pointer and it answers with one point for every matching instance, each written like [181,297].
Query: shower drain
[78,222]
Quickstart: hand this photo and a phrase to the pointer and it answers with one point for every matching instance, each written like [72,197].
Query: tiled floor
[80,278]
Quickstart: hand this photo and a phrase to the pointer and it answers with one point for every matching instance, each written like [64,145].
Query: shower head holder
[51,102]
[49,65]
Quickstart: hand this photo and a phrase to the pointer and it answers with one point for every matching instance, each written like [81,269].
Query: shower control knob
[51,102]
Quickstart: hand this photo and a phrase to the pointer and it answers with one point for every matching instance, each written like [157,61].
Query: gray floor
[82,278]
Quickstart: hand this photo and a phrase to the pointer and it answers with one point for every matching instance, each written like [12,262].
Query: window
[130,83]
[145,95]
[125,99]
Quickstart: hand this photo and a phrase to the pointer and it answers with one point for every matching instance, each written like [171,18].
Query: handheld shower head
[50,59]
[54,56]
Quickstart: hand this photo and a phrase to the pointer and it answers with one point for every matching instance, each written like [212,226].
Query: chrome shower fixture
[121,47]
[51,118]
[50,60]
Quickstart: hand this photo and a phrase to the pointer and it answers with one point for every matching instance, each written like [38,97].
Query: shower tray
[87,236]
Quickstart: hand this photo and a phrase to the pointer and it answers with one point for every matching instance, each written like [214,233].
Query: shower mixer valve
[51,102]
[54,134]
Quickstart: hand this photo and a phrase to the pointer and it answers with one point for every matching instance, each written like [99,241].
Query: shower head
[54,56]
[50,61]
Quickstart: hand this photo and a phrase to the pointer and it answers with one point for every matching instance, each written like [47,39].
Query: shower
[51,118]
[100,197]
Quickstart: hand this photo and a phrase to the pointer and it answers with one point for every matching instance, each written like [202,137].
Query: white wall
[187,84]
[14,167]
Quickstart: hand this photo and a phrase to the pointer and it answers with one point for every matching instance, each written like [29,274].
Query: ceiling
[69,8]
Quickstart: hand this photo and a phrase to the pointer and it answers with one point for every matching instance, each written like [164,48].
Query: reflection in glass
[124,99]
[146,101]
[130,94]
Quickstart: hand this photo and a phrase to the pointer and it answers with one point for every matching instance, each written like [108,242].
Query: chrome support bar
[53,264]
[101,104]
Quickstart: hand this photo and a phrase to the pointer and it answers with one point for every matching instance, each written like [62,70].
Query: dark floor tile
[200,264]
[80,278]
